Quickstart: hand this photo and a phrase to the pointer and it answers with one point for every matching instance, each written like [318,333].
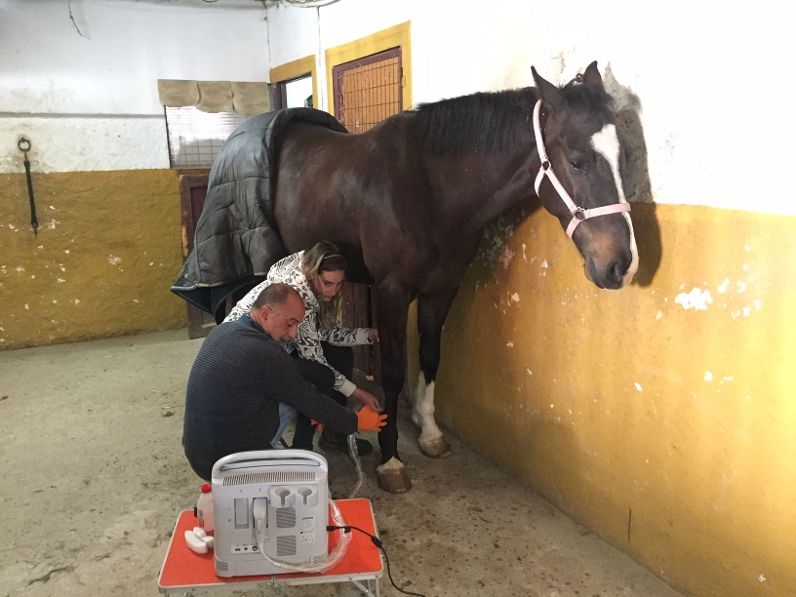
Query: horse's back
[340,187]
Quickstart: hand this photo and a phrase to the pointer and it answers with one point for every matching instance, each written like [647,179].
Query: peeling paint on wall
[695,299]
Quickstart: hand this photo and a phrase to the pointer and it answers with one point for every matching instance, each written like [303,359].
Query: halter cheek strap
[546,169]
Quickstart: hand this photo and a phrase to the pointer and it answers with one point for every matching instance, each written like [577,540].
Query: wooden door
[193,190]
[366,91]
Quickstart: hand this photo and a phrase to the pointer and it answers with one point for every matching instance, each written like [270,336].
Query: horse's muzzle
[617,274]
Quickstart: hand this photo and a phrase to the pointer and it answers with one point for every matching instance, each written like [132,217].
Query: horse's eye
[576,165]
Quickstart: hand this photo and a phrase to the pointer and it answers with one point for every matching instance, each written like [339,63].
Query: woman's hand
[367,399]
[373,335]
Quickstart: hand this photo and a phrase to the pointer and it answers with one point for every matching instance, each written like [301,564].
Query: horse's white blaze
[423,411]
[393,464]
[607,143]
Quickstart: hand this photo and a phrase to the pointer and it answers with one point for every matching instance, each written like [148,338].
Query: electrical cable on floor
[377,542]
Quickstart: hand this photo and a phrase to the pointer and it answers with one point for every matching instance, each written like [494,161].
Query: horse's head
[579,181]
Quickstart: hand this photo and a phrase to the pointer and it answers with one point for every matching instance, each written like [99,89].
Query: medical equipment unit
[271,510]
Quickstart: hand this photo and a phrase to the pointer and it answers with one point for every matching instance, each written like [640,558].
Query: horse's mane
[481,122]
[496,121]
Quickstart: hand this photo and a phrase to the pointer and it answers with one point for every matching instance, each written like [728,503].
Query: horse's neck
[487,189]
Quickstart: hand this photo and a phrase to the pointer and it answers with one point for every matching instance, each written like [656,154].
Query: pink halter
[546,169]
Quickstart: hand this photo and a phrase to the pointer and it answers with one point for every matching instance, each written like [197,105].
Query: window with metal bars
[195,137]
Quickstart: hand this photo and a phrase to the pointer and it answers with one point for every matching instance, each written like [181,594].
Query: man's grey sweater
[234,389]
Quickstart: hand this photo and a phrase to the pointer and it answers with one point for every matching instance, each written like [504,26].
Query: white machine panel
[271,501]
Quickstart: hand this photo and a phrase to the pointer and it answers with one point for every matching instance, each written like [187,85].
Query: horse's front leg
[391,309]
[432,309]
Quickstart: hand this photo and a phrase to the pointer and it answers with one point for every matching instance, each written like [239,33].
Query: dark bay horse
[407,200]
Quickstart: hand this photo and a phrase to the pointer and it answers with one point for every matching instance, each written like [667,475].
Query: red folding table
[185,571]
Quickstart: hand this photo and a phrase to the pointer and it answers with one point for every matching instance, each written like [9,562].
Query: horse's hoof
[436,448]
[394,480]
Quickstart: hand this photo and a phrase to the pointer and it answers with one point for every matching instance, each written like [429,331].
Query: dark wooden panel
[193,190]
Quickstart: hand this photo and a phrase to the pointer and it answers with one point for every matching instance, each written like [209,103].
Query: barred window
[195,137]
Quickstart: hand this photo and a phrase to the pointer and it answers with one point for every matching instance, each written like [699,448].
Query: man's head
[278,310]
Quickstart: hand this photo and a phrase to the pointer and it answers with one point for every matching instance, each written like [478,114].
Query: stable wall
[84,92]
[106,252]
[661,416]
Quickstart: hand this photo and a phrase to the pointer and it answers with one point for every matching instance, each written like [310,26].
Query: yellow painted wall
[107,250]
[669,432]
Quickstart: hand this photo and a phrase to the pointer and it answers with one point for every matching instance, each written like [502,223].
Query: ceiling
[235,4]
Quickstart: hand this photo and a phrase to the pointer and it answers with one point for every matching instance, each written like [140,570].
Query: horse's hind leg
[432,309]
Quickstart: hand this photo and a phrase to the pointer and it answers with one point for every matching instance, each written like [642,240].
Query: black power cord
[377,542]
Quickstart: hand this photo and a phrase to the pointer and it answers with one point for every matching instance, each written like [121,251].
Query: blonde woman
[322,344]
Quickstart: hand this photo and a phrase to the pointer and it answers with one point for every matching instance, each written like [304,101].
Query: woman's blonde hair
[324,257]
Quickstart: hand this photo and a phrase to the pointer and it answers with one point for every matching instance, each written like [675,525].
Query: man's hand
[373,335]
[370,420]
[367,399]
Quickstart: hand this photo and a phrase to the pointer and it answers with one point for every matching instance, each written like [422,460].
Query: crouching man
[240,376]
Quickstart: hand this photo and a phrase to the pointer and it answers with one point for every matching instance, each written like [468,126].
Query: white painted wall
[709,75]
[90,102]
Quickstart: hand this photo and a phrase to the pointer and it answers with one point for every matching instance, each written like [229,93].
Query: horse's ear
[592,78]
[548,93]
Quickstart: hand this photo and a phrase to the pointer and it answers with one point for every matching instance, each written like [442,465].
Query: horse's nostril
[617,271]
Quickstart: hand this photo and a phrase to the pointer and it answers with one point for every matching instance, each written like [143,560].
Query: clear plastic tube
[352,450]
[337,520]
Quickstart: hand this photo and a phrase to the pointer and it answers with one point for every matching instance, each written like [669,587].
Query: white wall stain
[638,386]
[659,315]
[544,266]
[524,255]
[528,371]
[510,344]
[747,310]
[696,299]
[76,301]
[60,280]
[114,260]
[19,268]
[708,376]
[515,298]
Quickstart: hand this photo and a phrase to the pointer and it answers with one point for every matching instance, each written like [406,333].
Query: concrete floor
[94,476]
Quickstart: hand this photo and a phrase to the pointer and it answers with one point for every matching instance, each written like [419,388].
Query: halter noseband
[546,169]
